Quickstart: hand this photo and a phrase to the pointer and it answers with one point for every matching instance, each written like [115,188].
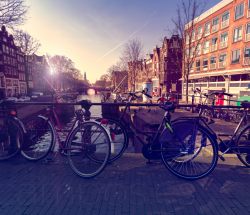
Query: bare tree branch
[12,12]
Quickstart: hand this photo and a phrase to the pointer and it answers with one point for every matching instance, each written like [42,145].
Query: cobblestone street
[129,186]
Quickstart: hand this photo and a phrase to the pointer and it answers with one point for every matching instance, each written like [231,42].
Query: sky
[92,33]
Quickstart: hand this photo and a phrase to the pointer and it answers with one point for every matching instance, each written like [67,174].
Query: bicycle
[176,145]
[87,144]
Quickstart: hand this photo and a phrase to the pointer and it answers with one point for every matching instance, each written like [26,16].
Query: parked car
[13,99]
[24,99]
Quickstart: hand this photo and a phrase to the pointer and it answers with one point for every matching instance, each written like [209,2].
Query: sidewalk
[129,186]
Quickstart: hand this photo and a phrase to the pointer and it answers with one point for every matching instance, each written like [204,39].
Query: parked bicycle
[87,144]
[181,150]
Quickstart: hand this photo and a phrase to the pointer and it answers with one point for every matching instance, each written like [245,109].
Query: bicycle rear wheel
[38,139]
[11,137]
[191,153]
[243,145]
[119,137]
[88,149]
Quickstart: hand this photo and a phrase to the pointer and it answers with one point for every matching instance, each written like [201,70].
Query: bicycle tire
[119,137]
[242,140]
[39,138]
[181,164]
[88,140]
[11,139]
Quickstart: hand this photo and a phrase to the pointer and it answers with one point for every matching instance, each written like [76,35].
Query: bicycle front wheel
[88,149]
[38,139]
[191,153]
[119,137]
[243,146]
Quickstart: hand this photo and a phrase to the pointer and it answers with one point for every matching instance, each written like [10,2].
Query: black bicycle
[188,152]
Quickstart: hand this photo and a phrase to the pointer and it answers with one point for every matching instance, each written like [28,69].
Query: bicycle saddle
[86,104]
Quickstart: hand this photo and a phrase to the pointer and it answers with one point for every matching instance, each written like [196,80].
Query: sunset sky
[93,32]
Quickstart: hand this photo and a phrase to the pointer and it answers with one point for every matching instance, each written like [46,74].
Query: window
[198,65]
[213,62]
[215,24]
[193,36]
[235,56]
[199,49]
[222,60]
[239,11]
[199,32]
[237,34]
[225,19]
[207,29]
[247,32]
[206,47]
[247,56]
[223,40]
[205,64]
[214,44]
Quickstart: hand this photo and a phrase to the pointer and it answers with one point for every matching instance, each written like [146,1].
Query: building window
[239,11]
[225,20]
[193,36]
[223,40]
[215,24]
[222,60]
[247,32]
[235,56]
[214,44]
[199,49]
[213,62]
[198,65]
[205,64]
[199,32]
[247,56]
[237,34]
[206,47]
[207,29]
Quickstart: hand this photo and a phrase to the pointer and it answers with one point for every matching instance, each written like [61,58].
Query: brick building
[162,68]
[223,58]
[10,65]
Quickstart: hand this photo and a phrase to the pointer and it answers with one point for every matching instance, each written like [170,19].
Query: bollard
[192,103]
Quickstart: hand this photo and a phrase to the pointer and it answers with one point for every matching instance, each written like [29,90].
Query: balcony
[223,44]
[222,64]
[247,38]
[213,47]
[225,23]
[213,66]
[215,28]
[247,61]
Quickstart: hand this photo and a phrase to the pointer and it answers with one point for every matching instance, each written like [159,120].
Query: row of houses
[160,71]
[19,74]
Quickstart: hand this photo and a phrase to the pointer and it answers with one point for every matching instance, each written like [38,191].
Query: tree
[132,54]
[188,12]
[28,44]
[12,12]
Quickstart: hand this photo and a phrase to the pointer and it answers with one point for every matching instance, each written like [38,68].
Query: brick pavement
[129,186]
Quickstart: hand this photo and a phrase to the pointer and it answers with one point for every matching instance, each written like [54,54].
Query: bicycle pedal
[222,158]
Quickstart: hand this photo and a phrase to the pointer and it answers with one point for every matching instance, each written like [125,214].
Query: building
[119,81]
[162,68]
[21,72]
[222,60]
[9,65]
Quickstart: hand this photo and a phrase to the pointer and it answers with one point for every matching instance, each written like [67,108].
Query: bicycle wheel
[243,145]
[191,153]
[11,137]
[88,149]
[119,137]
[38,139]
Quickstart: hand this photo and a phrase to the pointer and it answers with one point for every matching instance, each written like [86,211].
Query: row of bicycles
[187,146]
